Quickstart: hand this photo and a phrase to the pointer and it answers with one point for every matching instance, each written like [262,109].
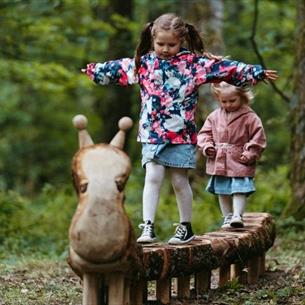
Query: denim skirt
[170,155]
[222,185]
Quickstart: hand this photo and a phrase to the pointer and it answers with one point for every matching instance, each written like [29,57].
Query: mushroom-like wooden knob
[119,139]
[125,123]
[80,122]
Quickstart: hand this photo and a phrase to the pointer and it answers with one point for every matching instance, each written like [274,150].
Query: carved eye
[83,187]
[120,183]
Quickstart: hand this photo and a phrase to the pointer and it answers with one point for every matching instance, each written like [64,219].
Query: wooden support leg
[103,291]
[127,292]
[236,271]
[253,270]
[202,281]
[116,289]
[183,287]
[138,293]
[91,295]
[224,275]
[164,291]
[262,264]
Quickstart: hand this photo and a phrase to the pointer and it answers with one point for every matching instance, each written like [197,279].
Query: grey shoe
[148,234]
[227,221]
[237,221]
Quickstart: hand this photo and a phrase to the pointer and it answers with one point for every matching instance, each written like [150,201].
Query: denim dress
[170,155]
[221,185]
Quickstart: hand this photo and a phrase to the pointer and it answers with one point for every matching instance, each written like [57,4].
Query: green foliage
[275,40]
[47,42]
[40,225]
[272,191]
[11,212]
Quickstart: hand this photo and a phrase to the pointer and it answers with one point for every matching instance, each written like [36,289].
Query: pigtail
[144,45]
[195,43]
[193,39]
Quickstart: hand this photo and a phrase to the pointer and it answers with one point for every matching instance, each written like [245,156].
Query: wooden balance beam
[115,270]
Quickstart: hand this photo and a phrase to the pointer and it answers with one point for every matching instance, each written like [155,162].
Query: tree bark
[296,207]
[118,100]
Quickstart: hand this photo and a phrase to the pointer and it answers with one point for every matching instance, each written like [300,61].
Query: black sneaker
[148,234]
[183,234]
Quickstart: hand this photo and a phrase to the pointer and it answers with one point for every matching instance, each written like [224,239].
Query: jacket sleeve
[233,72]
[120,72]
[255,146]
[205,136]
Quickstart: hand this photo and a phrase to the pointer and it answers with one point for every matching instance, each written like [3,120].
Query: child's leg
[225,203]
[239,204]
[151,193]
[184,197]
[183,192]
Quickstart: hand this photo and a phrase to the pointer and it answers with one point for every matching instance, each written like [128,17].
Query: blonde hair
[246,94]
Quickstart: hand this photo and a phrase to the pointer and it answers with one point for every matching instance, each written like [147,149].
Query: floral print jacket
[169,89]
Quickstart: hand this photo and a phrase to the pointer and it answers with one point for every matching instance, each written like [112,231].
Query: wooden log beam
[212,250]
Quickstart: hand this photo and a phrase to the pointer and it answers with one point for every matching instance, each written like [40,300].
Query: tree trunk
[207,16]
[296,207]
[118,100]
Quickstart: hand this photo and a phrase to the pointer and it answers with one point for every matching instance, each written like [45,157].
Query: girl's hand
[246,161]
[271,74]
[89,70]
[212,56]
[211,152]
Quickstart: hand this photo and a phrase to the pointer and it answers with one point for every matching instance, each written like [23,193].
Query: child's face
[166,44]
[230,100]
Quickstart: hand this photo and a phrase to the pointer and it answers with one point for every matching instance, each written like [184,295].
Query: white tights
[151,193]
[235,204]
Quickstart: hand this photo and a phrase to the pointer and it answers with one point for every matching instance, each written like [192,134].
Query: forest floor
[30,281]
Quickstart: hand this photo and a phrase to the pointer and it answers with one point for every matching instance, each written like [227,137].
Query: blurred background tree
[45,43]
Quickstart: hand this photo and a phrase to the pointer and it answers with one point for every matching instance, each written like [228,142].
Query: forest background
[45,43]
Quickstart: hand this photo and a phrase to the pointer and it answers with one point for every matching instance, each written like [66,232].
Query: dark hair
[168,22]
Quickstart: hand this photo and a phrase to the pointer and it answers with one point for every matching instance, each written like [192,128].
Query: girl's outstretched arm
[211,70]
[120,72]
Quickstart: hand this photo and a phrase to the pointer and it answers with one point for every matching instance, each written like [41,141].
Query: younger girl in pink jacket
[232,139]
